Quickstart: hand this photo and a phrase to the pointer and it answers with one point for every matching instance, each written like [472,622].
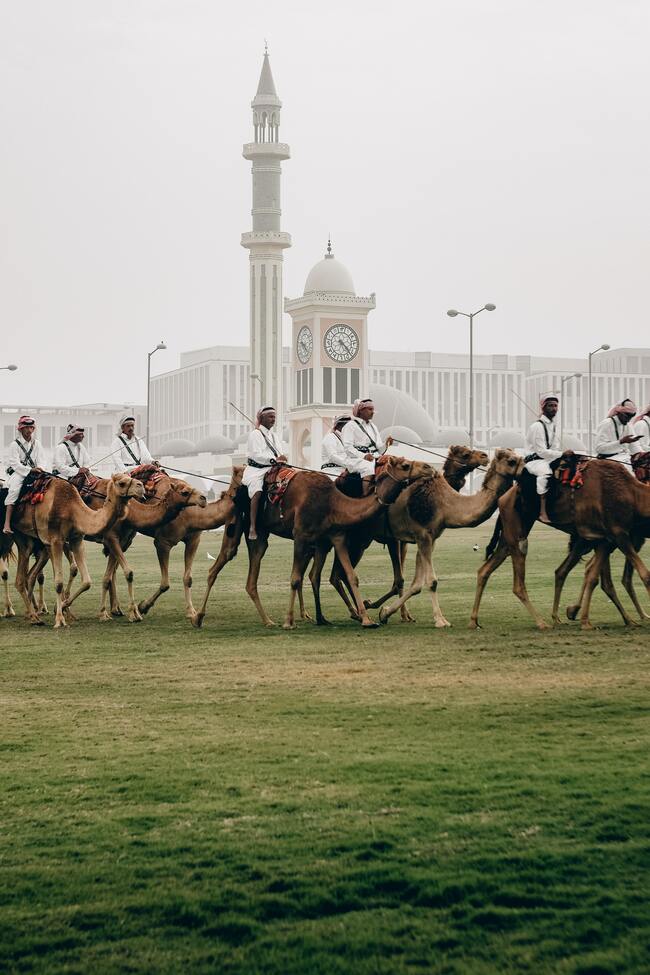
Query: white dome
[404,434]
[396,408]
[331,277]
[452,437]
[176,448]
[507,438]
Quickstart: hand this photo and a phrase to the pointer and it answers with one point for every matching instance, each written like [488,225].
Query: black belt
[530,457]
[323,466]
[605,456]
[253,463]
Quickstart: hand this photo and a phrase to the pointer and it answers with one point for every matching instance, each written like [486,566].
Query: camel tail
[494,541]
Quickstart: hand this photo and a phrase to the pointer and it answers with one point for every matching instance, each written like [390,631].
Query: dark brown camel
[316,515]
[611,508]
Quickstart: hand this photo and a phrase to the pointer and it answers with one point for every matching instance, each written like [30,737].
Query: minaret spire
[265,243]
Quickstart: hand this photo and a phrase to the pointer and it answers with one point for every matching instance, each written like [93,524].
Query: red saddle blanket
[570,470]
[641,466]
[277,481]
[85,484]
[34,488]
[148,475]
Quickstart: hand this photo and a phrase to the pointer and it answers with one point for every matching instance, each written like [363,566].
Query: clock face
[341,343]
[304,344]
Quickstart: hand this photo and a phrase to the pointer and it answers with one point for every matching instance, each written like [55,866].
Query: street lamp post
[563,380]
[161,345]
[471,315]
[254,375]
[601,348]
[11,368]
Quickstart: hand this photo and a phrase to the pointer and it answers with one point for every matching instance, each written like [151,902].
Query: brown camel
[610,509]
[61,519]
[316,515]
[423,512]
[187,527]
[164,500]
[459,462]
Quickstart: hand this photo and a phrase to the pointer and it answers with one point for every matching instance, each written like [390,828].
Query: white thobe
[642,429]
[608,441]
[333,455]
[542,439]
[20,466]
[361,437]
[62,463]
[122,459]
[260,448]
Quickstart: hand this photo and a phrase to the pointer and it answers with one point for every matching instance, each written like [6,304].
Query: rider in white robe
[25,454]
[70,455]
[127,450]
[362,440]
[615,437]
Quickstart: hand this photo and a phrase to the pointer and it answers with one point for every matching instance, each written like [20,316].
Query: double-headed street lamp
[471,315]
[601,348]
[563,380]
[161,345]
[11,368]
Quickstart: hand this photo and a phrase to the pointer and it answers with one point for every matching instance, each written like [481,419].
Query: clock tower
[329,355]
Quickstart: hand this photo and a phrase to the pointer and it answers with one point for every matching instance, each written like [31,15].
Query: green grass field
[239,800]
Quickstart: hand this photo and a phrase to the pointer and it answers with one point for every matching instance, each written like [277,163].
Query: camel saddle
[148,475]
[85,485]
[276,482]
[34,488]
[569,469]
[641,466]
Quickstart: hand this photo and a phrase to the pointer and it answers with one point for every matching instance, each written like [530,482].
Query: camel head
[393,474]
[504,468]
[466,459]
[235,482]
[126,486]
[183,494]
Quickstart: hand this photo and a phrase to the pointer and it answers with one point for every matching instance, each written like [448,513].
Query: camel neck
[351,511]
[97,522]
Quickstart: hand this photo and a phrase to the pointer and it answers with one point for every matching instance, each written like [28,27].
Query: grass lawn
[239,800]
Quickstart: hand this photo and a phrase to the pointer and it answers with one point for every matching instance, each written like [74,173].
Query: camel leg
[519,585]
[118,554]
[22,585]
[576,551]
[256,551]
[629,588]
[397,552]
[338,581]
[162,551]
[416,587]
[607,585]
[79,552]
[4,575]
[229,547]
[34,575]
[353,581]
[41,605]
[592,573]
[108,578]
[56,556]
[314,577]
[301,555]
[629,551]
[483,574]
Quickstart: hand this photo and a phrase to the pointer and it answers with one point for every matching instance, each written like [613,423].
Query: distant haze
[459,152]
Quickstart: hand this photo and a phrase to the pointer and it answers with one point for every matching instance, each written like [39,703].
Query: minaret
[265,244]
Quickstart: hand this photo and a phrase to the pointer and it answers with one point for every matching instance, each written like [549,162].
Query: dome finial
[266,48]
[329,246]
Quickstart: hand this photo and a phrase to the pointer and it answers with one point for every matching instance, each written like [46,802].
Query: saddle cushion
[148,475]
[34,488]
[570,468]
[641,466]
[276,481]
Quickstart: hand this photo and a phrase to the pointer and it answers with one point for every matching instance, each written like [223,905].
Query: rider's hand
[630,438]
[84,470]
[370,457]
[281,458]
[389,441]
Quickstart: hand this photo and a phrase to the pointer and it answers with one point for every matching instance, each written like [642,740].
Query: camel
[187,527]
[316,515]
[423,511]
[459,462]
[167,498]
[62,518]
[611,509]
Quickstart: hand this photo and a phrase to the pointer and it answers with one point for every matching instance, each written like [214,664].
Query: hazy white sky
[459,151]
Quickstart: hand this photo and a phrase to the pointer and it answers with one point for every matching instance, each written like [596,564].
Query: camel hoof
[117,612]
[587,626]
[70,617]
[631,622]
[442,624]
[383,617]
[323,622]
[9,612]
[37,622]
[270,624]
[307,618]
[143,609]
[60,624]
[288,626]
[104,616]
[543,626]
[134,616]
[474,625]
[572,612]
[197,620]
[370,625]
